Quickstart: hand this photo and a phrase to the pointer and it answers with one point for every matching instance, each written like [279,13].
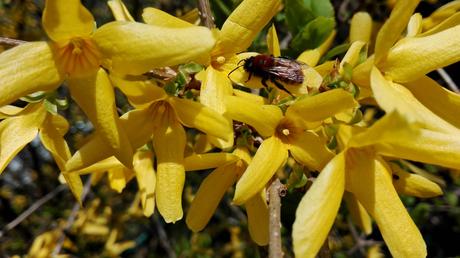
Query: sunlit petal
[169,144]
[361,27]
[146,180]
[9,111]
[414,57]
[211,191]
[393,27]
[157,17]
[119,10]
[52,133]
[450,22]
[155,46]
[438,99]
[272,42]
[63,20]
[95,95]
[370,181]
[415,25]
[258,220]
[391,96]
[318,208]
[208,160]
[139,91]
[321,106]
[243,25]
[352,55]
[270,156]
[310,150]
[17,132]
[413,184]
[264,118]
[117,178]
[195,115]
[26,69]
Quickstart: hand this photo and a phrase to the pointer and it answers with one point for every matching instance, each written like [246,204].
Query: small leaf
[297,15]
[51,107]
[338,50]
[313,34]
[190,68]
[320,7]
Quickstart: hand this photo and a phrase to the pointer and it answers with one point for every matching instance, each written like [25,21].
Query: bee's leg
[264,82]
[249,77]
[280,86]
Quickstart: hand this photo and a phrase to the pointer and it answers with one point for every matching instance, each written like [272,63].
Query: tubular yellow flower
[76,53]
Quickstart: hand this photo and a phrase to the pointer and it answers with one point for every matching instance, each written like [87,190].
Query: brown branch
[275,191]
[11,42]
[205,13]
[72,217]
[37,204]
[163,237]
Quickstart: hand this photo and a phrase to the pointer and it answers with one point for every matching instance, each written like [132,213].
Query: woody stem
[206,14]
[275,192]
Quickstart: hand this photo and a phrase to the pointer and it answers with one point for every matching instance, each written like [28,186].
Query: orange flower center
[288,131]
[78,56]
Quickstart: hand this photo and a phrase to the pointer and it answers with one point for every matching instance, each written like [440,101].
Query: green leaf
[191,68]
[338,50]
[313,34]
[320,7]
[51,107]
[298,14]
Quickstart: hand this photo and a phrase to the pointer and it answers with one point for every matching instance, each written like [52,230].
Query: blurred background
[111,224]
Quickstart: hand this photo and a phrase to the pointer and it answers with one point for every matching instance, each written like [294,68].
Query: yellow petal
[271,155]
[361,27]
[26,69]
[52,133]
[9,111]
[243,25]
[414,57]
[393,27]
[370,181]
[415,25]
[157,17]
[438,99]
[17,132]
[352,55]
[272,42]
[146,180]
[208,160]
[310,57]
[138,125]
[321,106]
[362,73]
[211,191]
[310,150]
[214,88]
[251,97]
[98,167]
[95,95]
[155,46]
[440,14]
[169,144]
[258,218]
[195,115]
[450,22]
[408,141]
[117,178]
[391,96]
[358,213]
[119,10]
[318,208]
[63,20]
[75,185]
[413,184]
[139,91]
[264,118]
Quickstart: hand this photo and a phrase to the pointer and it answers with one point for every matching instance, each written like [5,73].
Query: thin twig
[205,13]
[275,190]
[450,83]
[163,237]
[72,217]
[11,42]
[37,204]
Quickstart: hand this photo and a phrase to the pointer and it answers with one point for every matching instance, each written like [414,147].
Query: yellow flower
[215,185]
[164,118]
[361,170]
[21,126]
[404,63]
[285,133]
[76,52]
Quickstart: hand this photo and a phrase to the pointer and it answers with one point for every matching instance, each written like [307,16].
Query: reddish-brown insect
[275,69]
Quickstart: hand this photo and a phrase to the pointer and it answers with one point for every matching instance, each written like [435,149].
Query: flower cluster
[249,124]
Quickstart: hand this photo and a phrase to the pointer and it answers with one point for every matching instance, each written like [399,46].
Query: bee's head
[248,63]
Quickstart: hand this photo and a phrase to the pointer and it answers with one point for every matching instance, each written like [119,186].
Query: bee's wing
[288,70]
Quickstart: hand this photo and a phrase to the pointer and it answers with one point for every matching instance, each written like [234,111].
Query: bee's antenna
[236,68]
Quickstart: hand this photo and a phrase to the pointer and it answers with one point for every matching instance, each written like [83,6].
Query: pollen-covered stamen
[78,56]
[287,130]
